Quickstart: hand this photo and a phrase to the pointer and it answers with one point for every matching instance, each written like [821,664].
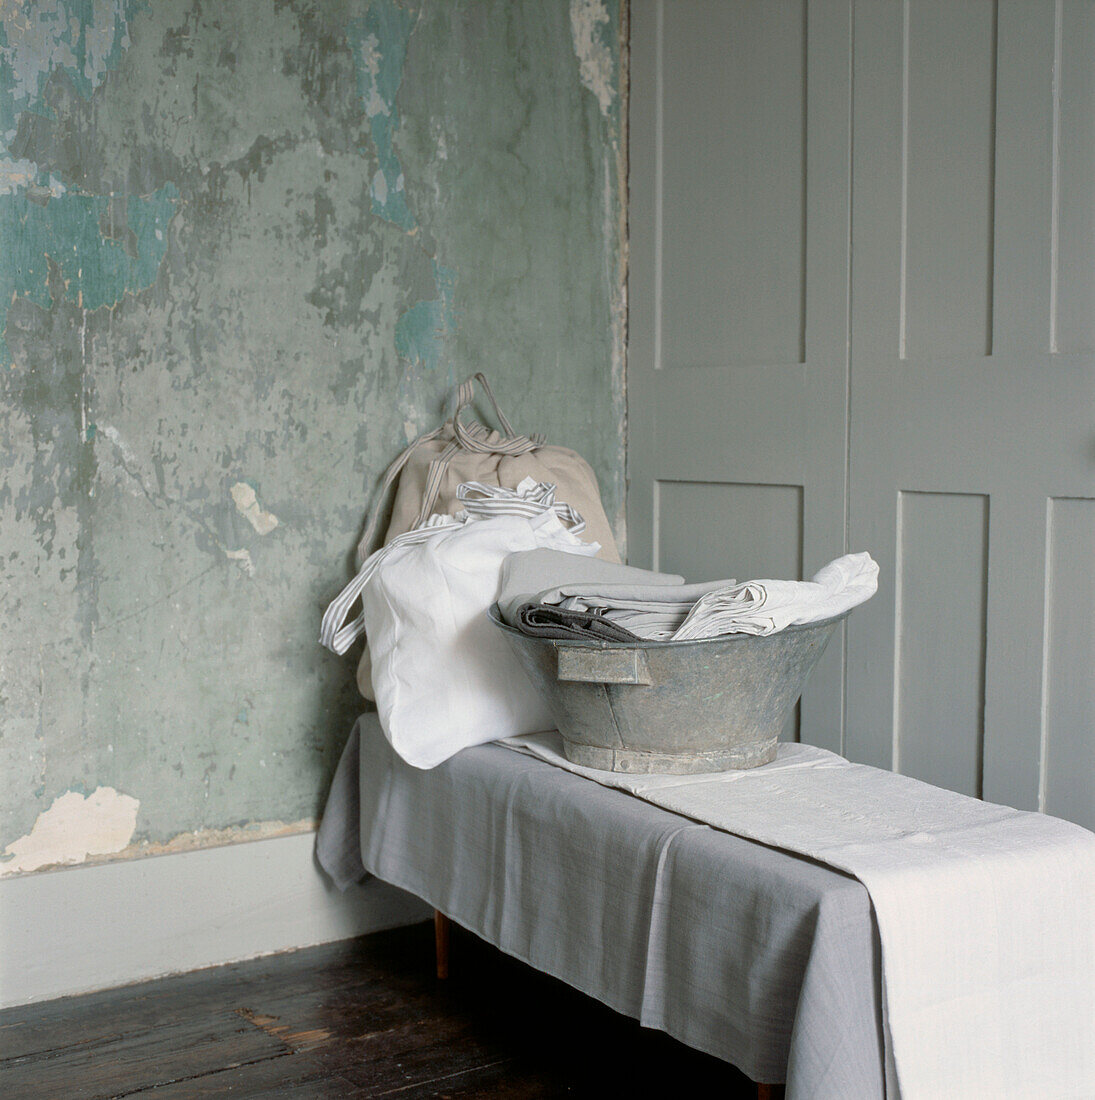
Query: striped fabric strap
[492,500]
[530,499]
[434,477]
[334,632]
[466,394]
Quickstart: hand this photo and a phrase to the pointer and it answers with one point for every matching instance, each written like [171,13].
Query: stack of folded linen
[557,595]
[554,594]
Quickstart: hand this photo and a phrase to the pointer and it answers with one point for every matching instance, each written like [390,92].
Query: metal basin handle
[602,666]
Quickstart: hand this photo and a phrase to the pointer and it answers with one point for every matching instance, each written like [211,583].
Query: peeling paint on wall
[379,41]
[73,828]
[592,28]
[41,221]
[244,251]
[84,40]
[248,506]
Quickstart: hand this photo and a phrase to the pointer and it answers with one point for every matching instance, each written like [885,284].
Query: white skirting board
[80,929]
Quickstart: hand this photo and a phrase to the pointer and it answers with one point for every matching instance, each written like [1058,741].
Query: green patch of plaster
[421,332]
[379,44]
[97,271]
[40,221]
[379,40]
[85,38]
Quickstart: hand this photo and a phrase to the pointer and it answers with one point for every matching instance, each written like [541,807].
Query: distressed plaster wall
[245,248]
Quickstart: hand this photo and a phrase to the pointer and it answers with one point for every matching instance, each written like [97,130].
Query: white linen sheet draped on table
[986,914]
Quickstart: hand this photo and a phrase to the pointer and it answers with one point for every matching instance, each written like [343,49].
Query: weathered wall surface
[245,248]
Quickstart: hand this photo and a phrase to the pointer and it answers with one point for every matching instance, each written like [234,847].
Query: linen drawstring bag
[460,451]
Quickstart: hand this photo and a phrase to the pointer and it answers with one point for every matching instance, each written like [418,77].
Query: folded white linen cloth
[766,606]
[986,914]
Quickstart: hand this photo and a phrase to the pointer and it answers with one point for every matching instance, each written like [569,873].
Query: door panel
[751,530]
[941,579]
[749,230]
[948,111]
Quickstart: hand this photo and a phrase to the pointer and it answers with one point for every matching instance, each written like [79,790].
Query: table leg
[441,943]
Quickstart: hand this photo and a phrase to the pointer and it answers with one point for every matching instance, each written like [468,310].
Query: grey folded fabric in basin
[648,612]
[579,626]
[528,573]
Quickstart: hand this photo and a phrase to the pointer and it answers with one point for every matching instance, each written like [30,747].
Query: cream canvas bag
[436,463]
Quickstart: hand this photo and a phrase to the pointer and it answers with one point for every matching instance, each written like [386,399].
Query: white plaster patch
[370,55]
[118,461]
[16,174]
[375,104]
[248,506]
[244,559]
[594,57]
[118,464]
[73,828]
[380,188]
[115,437]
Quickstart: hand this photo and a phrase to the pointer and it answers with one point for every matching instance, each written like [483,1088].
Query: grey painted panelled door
[945,411]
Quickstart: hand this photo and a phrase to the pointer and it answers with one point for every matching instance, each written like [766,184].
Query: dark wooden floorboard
[94,1069]
[364,1018]
[350,975]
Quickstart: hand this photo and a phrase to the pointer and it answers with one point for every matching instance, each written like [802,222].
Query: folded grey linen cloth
[528,573]
[553,594]
[556,622]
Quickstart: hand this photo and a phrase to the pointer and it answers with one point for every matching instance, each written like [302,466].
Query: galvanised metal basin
[675,707]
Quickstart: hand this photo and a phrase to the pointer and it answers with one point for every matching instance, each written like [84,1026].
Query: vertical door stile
[1015,639]
[644,301]
[878,164]
[828,140]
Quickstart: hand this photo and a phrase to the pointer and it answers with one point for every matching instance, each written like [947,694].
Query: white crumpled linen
[767,606]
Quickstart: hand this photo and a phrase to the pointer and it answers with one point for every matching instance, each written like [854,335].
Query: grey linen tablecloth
[764,959]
